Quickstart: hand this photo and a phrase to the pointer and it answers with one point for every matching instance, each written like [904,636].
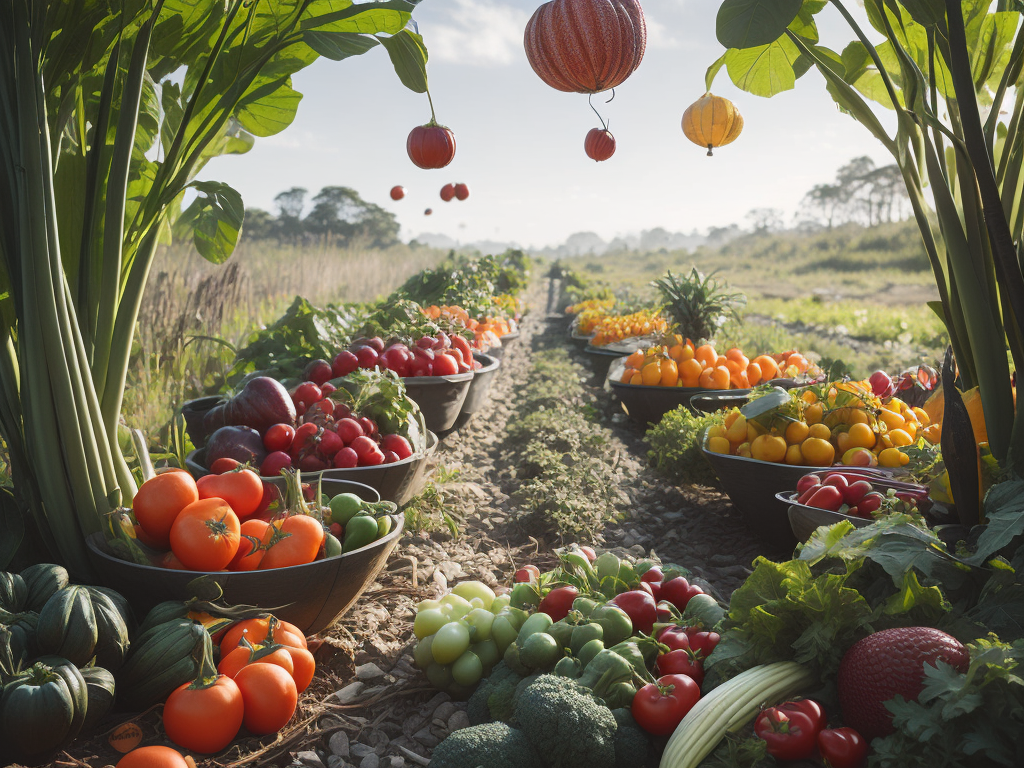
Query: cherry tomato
[675,638]
[640,607]
[678,591]
[527,573]
[558,602]
[702,641]
[308,393]
[659,707]
[274,463]
[842,747]
[279,437]
[681,662]
[808,707]
[789,736]
[224,464]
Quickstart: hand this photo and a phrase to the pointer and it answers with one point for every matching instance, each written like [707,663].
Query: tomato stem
[433,117]
[604,124]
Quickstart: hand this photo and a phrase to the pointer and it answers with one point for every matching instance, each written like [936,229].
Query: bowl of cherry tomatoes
[312,595]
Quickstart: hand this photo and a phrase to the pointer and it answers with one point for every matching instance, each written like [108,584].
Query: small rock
[311,759]
[349,693]
[370,761]
[339,744]
[458,720]
[444,711]
[426,738]
[360,751]
[369,671]
[397,761]
[333,761]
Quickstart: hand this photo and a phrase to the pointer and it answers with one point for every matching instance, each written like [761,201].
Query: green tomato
[540,651]
[539,622]
[476,602]
[525,595]
[459,605]
[481,620]
[450,642]
[487,652]
[502,632]
[424,604]
[471,589]
[468,669]
[428,622]
[422,654]
[440,676]
[500,602]
[344,507]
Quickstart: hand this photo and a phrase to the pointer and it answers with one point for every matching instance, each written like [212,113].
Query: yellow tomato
[716,430]
[892,457]
[890,419]
[900,437]
[651,374]
[820,431]
[669,373]
[794,456]
[858,416]
[813,413]
[809,397]
[743,449]
[818,452]
[796,432]
[768,448]
[719,445]
[737,430]
[861,436]
[922,416]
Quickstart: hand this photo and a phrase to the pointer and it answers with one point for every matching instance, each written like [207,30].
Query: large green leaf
[370,18]
[766,70]
[338,45]
[268,106]
[754,23]
[1004,513]
[990,44]
[216,217]
[409,58]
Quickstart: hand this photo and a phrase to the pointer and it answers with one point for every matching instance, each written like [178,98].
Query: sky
[520,142]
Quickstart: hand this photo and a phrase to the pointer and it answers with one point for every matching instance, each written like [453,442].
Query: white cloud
[658,35]
[479,32]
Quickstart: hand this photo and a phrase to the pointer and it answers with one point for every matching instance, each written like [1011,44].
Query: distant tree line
[336,214]
[861,193]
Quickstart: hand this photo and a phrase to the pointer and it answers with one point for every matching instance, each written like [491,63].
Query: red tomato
[205,536]
[269,695]
[307,393]
[842,747]
[369,426]
[344,363]
[301,538]
[398,444]
[808,707]
[789,736]
[346,458]
[373,458]
[318,371]
[854,492]
[348,430]
[652,575]
[640,607]
[274,463]
[702,641]
[304,439]
[242,490]
[445,365]
[659,707]
[330,443]
[431,146]
[806,482]
[367,356]
[681,662]
[558,602]
[678,591]
[204,720]
[250,552]
[527,573]
[675,638]
[279,437]
[224,464]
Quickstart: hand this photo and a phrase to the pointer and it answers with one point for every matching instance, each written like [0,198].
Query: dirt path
[369,706]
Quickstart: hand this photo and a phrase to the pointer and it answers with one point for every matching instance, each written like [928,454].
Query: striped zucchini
[730,706]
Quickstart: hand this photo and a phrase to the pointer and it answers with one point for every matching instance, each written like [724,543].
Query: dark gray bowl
[440,398]
[195,412]
[647,404]
[311,596]
[479,390]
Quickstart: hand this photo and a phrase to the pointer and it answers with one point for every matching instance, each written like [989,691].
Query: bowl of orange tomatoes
[312,595]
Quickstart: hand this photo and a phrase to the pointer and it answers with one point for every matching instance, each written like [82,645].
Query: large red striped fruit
[431,146]
[586,46]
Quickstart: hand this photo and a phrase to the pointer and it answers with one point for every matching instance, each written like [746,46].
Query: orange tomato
[720,377]
[250,550]
[635,360]
[636,379]
[754,374]
[298,543]
[241,657]
[769,368]
[669,373]
[269,695]
[255,631]
[651,373]
[204,720]
[160,500]
[706,380]
[689,372]
[706,355]
[739,380]
[152,757]
[737,354]
[627,374]
[205,535]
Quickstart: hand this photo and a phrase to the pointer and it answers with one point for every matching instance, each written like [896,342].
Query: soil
[369,706]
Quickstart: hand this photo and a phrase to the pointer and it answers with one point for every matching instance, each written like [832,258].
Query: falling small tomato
[447,192]
[599,144]
[461,191]
[397,192]
[428,211]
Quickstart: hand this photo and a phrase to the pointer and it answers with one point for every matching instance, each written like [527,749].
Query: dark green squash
[42,710]
[161,659]
[121,603]
[13,592]
[23,633]
[162,613]
[100,689]
[80,623]
[43,581]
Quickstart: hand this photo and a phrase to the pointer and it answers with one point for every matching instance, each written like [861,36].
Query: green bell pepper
[569,667]
[359,531]
[584,605]
[562,632]
[615,623]
[589,651]
[630,651]
[583,634]
[540,651]
[620,695]
[604,671]
[538,622]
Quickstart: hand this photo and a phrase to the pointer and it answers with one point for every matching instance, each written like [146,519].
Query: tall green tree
[108,111]
[950,71]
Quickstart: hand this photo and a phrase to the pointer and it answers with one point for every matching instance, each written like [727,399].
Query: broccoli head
[566,725]
[632,744]
[491,745]
[500,685]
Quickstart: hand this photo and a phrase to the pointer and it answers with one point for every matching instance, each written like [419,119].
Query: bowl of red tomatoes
[312,596]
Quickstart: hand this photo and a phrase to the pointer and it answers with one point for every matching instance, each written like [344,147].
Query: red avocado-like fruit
[397,192]
[599,144]
[447,192]
[431,146]
[888,663]
[461,191]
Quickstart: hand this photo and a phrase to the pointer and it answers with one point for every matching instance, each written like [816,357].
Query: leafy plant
[941,65]
[107,114]
[698,304]
[676,447]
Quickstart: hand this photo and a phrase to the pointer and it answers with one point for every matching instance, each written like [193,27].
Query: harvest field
[284,490]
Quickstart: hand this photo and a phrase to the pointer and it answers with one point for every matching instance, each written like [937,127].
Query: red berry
[344,363]
[346,458]
[397,445]
[363,446]
[367,357]
[349,430]
[274,463]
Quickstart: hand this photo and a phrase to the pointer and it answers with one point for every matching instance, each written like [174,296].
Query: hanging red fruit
[461,191]
[599,144]
[586,46]
[447,192]
[397,192]
[428,211]
[431,145]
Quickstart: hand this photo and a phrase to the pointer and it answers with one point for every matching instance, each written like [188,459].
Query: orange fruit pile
[840,423]
[486,333]
[612,329]
[682,364]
